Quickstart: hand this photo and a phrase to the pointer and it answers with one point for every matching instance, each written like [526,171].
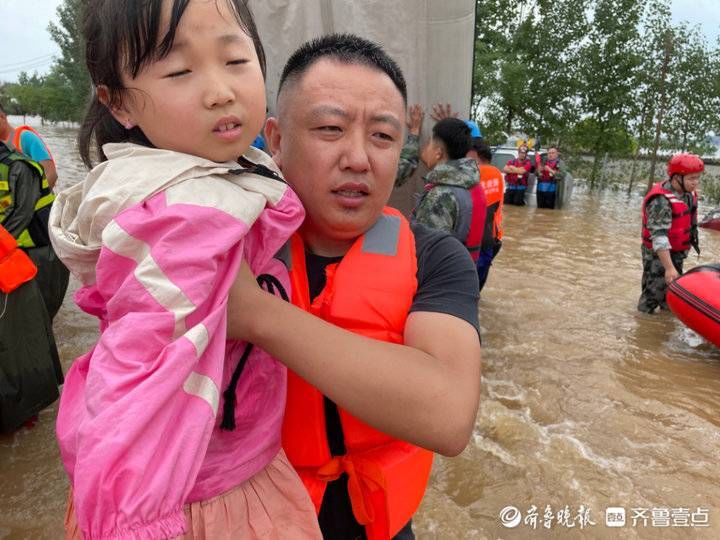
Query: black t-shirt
[447,283]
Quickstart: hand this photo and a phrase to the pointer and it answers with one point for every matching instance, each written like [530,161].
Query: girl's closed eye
[238,62]
[178,73]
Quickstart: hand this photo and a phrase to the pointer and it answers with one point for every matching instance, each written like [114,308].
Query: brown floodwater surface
[586,403]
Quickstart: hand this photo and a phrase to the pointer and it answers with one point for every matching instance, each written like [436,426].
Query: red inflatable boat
[711,220]
[695,298]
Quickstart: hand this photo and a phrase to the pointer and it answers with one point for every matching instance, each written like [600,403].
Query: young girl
[166,428]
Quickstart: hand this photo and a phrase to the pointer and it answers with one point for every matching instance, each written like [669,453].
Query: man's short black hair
[482,149]
[454,134]
[346,49]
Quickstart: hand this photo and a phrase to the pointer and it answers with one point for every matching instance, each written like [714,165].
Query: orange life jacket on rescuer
[370,293]
[16,267]
[17,142]
[492,182]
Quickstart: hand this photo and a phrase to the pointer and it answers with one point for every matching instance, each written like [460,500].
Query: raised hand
[416,114]
[440,111]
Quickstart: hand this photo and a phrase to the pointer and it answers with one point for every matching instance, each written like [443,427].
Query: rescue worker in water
[669,228]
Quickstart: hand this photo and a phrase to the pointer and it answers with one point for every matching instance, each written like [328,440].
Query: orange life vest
[492,182]
[16,267]
[370,293]
[17,136]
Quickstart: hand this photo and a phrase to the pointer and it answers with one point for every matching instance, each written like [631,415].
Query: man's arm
[425,392]
[409,159]
[34,147]
[514,170]
[557,174]
[50,171]
[25,190]
[410,154]
[659,214]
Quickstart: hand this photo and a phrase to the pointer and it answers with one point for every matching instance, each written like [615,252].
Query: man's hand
[416,114]
[671,275]
[243,295]
[441,111]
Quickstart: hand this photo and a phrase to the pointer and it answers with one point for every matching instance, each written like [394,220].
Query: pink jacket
[156,238]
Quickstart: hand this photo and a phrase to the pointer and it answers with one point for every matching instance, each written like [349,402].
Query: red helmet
[685,164]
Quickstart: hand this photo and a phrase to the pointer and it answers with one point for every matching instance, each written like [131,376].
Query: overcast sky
[27,45]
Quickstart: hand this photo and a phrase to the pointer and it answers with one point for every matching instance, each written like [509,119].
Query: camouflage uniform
[438,208]
[659,220]
[409,158]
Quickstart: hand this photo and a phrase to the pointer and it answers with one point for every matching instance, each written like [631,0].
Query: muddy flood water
[586,403]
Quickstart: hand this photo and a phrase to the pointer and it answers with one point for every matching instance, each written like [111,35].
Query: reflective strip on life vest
[382,238]
[46,198]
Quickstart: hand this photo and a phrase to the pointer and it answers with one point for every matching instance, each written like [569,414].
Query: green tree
[609,62]
[695,106]
[499,78]
[71,65]
[525,74]
[553,80]
[649,80]
[27,94]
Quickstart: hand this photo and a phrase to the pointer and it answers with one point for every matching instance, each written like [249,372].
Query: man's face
[552,154]
[691,181]
[522,153]
[431,153]
[337,139]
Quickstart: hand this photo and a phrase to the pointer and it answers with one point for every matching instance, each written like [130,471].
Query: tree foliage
[595,77]
[604,77]
[62,93]
[67,33]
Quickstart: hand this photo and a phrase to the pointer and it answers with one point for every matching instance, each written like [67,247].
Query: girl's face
[207,96]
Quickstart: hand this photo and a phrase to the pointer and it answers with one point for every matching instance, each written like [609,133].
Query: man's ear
[440,151]
[273,137]
[118,110]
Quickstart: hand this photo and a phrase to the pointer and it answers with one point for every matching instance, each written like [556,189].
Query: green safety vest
[47,197]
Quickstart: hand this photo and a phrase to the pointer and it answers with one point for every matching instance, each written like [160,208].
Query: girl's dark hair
[124,36]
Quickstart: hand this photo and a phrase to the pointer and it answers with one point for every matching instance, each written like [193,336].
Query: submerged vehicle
[695,298]
[711,220]
[503,154]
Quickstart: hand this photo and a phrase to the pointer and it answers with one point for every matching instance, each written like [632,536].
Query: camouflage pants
[653,282]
